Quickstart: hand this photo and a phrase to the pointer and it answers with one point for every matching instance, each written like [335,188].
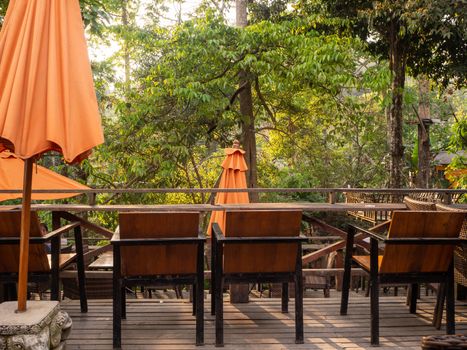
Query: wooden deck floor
[168,324]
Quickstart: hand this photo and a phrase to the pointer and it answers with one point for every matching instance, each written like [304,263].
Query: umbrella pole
[24,238]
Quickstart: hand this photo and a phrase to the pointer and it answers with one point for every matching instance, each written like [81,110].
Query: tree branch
[263,101]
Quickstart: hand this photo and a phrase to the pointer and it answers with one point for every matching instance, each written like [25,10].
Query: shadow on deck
[168,324]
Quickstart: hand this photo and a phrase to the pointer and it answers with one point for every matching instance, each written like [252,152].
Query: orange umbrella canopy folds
[47,99]
[11,178]
[233,176]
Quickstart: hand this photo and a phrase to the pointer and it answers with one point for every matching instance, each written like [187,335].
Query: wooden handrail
[249,190]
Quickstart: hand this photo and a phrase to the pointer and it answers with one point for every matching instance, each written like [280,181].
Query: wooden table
[103,262]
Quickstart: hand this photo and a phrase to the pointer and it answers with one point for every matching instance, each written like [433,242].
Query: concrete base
[42,326]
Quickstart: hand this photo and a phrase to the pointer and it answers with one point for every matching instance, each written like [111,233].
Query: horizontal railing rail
[249,190]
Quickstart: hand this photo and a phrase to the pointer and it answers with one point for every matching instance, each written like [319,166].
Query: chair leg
[450,306]
[198,296]
[374,301]
[199,313]
[213,276]
[345,289]
[218,291]
[193,298]
[123,302]
[55,271]
[11,292]
[285,297]
[219,312]
[117,316]
[374,292]
[439,307]
[347,271]
[413,298]
[461,292]
[299,308]
[80,267]
[117,301]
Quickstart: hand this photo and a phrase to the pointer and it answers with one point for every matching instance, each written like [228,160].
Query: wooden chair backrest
[414,204]
[268,257]
[10,226]
[444,207]
[420,258]
[163,259]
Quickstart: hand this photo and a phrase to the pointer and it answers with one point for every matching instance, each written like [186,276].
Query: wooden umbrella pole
[24,238]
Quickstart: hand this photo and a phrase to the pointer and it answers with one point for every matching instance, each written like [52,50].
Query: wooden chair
[259,247]
[460,253]
[42,267]
[419,249]
[158,248]
[414,204]
[460,265]
[421,203]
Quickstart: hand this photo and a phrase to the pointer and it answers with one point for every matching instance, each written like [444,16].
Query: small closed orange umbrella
[233,176]
[11,178]
[47,99]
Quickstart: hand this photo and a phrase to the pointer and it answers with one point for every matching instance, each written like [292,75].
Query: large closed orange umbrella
[233,176]
[47,97]
[11,178]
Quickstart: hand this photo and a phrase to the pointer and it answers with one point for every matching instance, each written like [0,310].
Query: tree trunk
[423,174]
[126,50]
[239,292]
[248,138]
[397,63]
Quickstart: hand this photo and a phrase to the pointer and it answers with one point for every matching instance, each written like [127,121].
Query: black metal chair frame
[413,279]
[219,278]
[121,282]
[54,275]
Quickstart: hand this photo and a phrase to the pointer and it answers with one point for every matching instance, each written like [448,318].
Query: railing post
[447,198]
[332,197]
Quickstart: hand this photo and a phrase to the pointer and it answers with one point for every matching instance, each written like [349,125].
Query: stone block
[42,326]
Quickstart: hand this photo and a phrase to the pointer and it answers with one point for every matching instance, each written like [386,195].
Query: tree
[426,36]
[184,102]
[248,137]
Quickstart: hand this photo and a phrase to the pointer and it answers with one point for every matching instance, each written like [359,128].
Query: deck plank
[168,324]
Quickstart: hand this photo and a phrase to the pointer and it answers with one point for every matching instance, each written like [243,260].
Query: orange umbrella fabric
[233,176]
[11,178]
[47,97]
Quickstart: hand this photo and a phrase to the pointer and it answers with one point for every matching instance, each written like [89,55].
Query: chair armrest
[266,239]
[425,241]
[115,237]
[39,240]
[219,236]
[368,233]
[201,236]
[60,231]
[217,232]
[155,241]
[380,227]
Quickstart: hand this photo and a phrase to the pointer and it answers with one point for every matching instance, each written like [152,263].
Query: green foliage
[320,93]
[456,172]
[311,92]
[430,33]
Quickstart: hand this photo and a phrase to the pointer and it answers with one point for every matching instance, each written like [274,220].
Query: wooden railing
[335,197]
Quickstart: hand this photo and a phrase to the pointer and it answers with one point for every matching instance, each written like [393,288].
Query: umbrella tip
[236,144]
